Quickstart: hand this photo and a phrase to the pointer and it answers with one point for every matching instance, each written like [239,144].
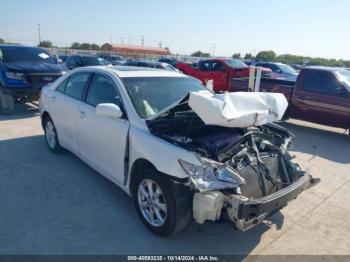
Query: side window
[321,82]
[74,61]
[61,87]
[76,84]
[206,66]
[102,90]
[217,66]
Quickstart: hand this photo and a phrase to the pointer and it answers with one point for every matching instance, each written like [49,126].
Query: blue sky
[309,27]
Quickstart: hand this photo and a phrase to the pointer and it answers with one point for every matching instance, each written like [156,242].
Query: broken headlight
[212,175]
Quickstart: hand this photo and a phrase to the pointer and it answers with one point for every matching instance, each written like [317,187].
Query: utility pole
[160,44]
[142,40]
[122,40]
[129,40]
[213,50]
[39,33]
[111,39]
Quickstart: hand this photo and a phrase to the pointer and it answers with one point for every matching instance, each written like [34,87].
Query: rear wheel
[51,136]
[161,211]
[6,102]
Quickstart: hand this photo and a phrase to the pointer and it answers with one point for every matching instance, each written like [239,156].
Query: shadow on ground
[22,110]
[55,204]
[320,142]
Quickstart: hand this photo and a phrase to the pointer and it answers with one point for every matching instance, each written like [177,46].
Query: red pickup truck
[320,95]
[221,71]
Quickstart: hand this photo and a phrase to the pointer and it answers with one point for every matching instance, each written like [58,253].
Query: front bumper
[243,212]
[21,92]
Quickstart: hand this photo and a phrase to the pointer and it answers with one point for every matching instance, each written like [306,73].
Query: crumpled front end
[245,172]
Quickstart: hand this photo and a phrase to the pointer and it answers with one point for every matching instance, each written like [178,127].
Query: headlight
[14,75]
[212,175]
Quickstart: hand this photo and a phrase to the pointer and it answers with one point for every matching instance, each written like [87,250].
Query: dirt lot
[55,204]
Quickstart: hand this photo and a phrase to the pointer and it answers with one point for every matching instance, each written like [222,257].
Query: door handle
[82,114]
[53,98]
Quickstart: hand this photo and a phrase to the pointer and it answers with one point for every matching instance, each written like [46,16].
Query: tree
[85,46]
[236,55]
[95,47]
[266,56]
[200,54]
[75,45]
[45,43]
[107,47]
[2,41]
[248,56]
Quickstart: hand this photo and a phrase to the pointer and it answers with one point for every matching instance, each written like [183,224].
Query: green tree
[45,43]
[266,56]
[236,55]
[85,46]
[106,47]
[75,45]
[2,41]
[200,54]
[248,56]
[95,47]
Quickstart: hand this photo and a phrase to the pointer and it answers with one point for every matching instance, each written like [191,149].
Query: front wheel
[51,136]
[161,211]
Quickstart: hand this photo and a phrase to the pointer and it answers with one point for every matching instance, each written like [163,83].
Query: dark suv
[23,72]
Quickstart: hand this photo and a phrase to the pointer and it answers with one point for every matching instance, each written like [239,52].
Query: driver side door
[102,140]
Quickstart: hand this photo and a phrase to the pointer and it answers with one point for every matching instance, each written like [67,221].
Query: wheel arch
[44,116]
[142,163]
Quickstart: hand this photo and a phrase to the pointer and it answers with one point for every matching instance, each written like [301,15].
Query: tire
[51,136]
[6,103]
[174,206]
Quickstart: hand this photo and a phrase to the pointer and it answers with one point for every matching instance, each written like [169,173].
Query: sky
[317,28]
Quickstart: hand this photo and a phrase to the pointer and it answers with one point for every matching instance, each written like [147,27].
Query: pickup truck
[221,71]
[319,95]
[24,71]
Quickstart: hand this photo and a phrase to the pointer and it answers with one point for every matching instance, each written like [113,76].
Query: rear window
[91,61]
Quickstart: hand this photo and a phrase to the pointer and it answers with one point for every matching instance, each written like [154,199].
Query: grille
[41,79]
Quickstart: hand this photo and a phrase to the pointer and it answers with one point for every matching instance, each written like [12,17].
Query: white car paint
[101,141]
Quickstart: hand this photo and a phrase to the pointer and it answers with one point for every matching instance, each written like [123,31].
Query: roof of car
[326,68]
[18,46]
[135,71]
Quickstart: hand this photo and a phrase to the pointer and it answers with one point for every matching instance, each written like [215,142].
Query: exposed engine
[254,160]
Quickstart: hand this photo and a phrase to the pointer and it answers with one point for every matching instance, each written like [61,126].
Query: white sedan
[136,127]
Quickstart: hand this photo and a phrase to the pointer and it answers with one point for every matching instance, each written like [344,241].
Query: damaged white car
[177,149]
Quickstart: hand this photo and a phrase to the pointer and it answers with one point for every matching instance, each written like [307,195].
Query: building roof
[139,49]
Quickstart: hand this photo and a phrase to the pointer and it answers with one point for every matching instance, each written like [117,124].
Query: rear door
[216,71]
[102,140]
[64,106]
[319,97]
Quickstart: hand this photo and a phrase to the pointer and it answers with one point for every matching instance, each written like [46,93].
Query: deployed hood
[29,67]
[239,109]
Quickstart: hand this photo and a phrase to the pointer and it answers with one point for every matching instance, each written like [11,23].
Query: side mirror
[109,110]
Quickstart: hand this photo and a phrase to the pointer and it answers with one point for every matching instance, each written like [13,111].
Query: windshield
[169,67]
[235,63]
[149,95]
[12,54]
[287,69]
[345,76]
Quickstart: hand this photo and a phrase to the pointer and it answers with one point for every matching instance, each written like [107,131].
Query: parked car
[218,70]
[280,70]
[24,71]
[151,64]
[62,58]
[76,61]
[113,59]
[160,151]
[169,60]
[320,95]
